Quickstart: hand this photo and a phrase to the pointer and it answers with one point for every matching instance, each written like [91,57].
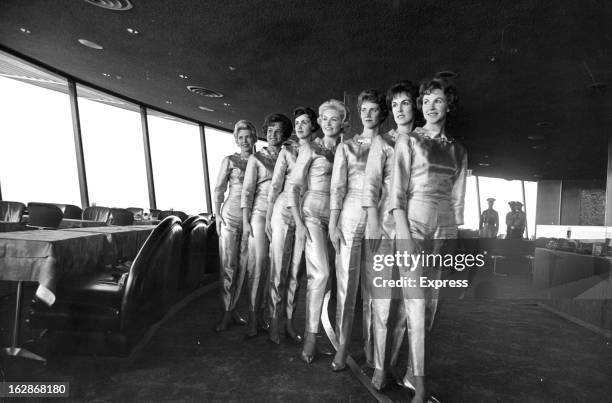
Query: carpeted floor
[483,351]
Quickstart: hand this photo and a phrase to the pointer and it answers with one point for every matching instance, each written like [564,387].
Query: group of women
[321,196]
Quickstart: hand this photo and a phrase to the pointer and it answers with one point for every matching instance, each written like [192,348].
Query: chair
[71,211]
[195,242]
[123,304]
[165,213]
[120,216]
[207,216]
[96,213]
[11,211]
[154,213]
[135,211]
[44,215]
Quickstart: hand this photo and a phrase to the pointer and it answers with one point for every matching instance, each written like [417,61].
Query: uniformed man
[516,221]
[489,221]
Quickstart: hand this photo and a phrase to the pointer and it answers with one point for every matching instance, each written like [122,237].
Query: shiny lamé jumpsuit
[311,176]
[255,190]
[427,182]
[346,195]
[376,188]
[232,247]
[285,254]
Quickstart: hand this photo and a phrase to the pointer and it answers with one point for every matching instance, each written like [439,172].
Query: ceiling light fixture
[133,31]
[232,68]
[539,147]
[536,137]
[169,102]
[206,109]
[114,5]
[544,124]
[184,76]
[600,86]
[25,31]
[106,75]
[447,74]
[205,92]
[90,44]
[484,164]
[226,104]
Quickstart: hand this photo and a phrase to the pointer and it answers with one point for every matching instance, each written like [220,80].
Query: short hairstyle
[312,115]
[338,106]
[376,97]
[403,87]
[438,83]
[245,125]
[286,125]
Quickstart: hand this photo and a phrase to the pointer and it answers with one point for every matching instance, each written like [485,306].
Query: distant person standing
[489,221]
[516,221]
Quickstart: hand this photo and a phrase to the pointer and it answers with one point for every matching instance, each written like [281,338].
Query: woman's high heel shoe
[291,334]
[273,335]
[310,343]
[224,323]
[237,319]
[251,325]
[338,367]
[379,379]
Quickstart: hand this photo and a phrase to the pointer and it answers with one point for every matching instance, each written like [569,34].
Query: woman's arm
[220,188]
[248,194]
[339,184]
[297,182]
[400,180]
[458,195]
[276,186]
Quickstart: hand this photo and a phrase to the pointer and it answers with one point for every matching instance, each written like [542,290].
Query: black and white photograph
[306,201]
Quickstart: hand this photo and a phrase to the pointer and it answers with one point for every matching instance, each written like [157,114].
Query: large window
[37,156]
[178,171]
[113,149]
[218,145]
[471,219]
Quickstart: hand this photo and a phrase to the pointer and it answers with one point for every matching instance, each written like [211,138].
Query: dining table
[75,223]
[9,226]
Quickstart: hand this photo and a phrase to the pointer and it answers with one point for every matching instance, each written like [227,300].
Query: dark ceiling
[525,69]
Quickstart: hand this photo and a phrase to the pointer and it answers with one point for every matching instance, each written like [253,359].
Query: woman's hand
[219,222]
[375,232]
[336,237]
[247,231]
[301,231]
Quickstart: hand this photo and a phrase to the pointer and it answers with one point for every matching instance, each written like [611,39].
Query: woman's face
[403,109]
[245,140]
[370,114]
[435,106]
[330,121]
[303,126]
[274,135]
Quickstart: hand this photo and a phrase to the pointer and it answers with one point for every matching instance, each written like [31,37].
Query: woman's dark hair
[403,87]
[286,125]
[437,83]
[312,115]
[376,97]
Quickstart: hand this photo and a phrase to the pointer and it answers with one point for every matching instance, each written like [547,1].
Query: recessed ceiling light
[226,104]
[221,121]
[90,44]
[25,31]
[536,137]
[539,147]
[106,75]
[544,124]
[118,77]
[114,5]
[484,164]
[206,109]
[133,31]
[232,68]
[184,76]
[205,91]
[446,74]
[169,102]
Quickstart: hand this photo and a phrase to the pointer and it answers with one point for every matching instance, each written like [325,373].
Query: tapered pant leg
[281,249]
[317,271]
[233,258]
[258,261]
[348,264]
[293,282]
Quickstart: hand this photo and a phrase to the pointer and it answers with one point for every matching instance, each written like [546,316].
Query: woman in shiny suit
[427,199]
[254,204]
[285,254]
[312,176]
[348,219]
[401,99]
[232,248]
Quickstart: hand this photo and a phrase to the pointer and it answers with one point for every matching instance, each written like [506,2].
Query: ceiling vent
[205,92]
[114,5]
